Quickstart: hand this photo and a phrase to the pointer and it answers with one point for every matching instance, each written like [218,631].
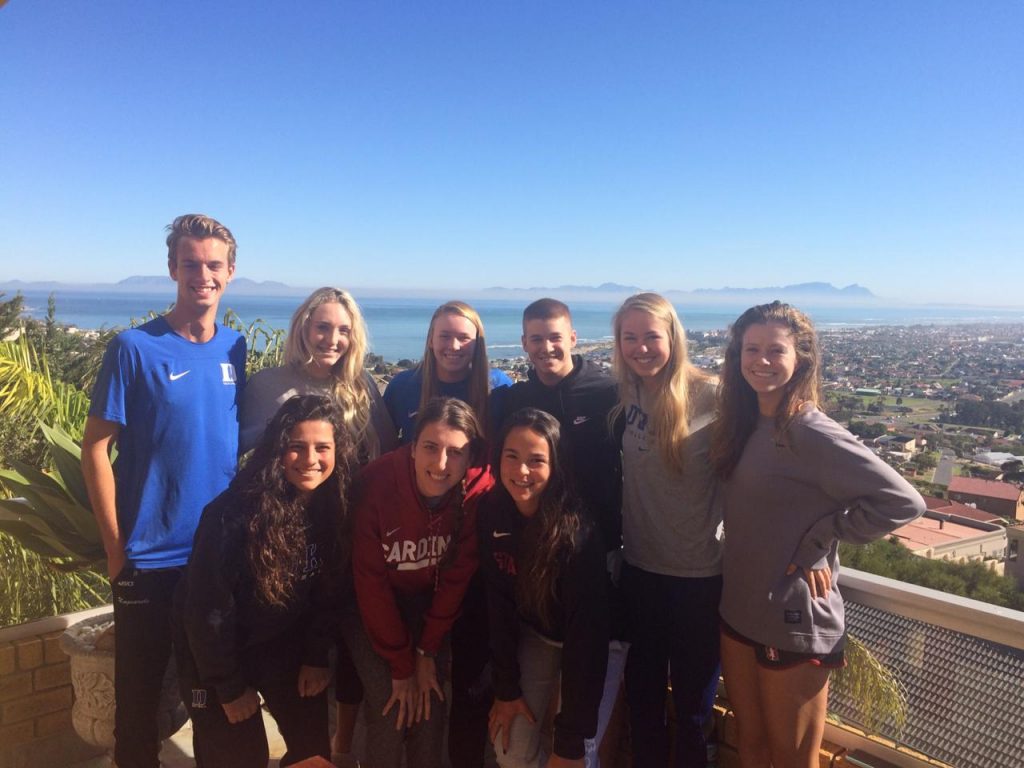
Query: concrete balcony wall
[35,695]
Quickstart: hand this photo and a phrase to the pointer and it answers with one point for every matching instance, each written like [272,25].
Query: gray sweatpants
[423,742]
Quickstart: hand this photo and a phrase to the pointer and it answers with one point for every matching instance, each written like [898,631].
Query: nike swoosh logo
[412,414]
[176,376]
[500,534]
[580,420]
[393,531]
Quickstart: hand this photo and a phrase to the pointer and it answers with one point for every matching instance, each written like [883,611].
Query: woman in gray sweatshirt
[671,578]
[795,483]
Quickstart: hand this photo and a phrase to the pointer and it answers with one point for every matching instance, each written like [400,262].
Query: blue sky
[461,145]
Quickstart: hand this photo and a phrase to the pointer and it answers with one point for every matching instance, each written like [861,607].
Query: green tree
[926,460]
[889,558]
[10,314]
[866,431]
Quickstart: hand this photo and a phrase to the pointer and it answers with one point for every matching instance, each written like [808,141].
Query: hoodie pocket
[798,614]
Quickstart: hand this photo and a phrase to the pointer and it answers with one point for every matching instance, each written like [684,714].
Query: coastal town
[942,404]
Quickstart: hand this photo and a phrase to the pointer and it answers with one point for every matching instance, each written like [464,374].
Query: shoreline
[601,350]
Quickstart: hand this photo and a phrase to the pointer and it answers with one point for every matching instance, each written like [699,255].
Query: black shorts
[777,658]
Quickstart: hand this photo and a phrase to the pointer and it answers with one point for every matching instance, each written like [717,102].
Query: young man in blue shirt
[167,396]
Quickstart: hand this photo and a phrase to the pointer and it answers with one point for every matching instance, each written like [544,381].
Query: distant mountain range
[824,293]
[151,284]
[853,291]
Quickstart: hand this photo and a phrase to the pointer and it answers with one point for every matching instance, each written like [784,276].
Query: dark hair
[454,414]
[550,536]
[737,403]
[277,516]
[546,309]
[199,227]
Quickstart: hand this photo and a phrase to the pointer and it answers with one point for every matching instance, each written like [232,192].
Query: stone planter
[90,645]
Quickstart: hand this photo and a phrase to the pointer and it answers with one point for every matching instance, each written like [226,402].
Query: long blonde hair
[349,382]
[673,398]
[479,369]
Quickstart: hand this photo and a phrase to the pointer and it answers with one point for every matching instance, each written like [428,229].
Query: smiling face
[525,468]
[768,361]
[452,342]
[328,334]
[645,344]
[440,457]
[202,272]
[549,343]
[308,459]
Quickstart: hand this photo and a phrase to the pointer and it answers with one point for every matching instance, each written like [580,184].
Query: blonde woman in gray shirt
[795,483]
[324,354]
[671,530]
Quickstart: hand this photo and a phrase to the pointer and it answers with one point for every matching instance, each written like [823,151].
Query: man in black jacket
[579,394]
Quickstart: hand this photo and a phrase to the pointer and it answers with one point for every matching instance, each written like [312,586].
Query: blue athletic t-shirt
[177,404]
[402,396]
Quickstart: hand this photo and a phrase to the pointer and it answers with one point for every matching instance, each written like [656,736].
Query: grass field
[922,408]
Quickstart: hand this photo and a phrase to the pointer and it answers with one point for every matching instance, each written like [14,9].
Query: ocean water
[398,326]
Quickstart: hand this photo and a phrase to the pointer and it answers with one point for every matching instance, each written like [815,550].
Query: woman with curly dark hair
[545,572]
[253,613]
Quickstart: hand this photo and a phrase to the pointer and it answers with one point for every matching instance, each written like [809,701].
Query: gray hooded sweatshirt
[791,499]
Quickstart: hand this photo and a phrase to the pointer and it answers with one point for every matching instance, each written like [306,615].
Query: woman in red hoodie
[414,551]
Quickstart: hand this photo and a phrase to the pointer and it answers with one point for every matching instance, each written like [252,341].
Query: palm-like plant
[878,694]
[265,344]
[53,517]
[28,389]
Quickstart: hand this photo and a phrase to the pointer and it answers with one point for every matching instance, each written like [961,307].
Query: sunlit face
[644,343]
[308,459]
[328,334]
[440,457]
[525,468]
[202,272]
[452,341]
[548,344]
[768,361]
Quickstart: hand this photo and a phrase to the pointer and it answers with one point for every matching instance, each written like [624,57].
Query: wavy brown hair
[738,410]
[278,519]
[551,534]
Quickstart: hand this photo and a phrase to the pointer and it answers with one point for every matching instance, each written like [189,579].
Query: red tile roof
[935,504]
[993,489]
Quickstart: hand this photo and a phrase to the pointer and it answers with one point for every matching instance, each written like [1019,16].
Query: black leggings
[472,694]
[273,670]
